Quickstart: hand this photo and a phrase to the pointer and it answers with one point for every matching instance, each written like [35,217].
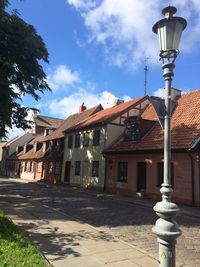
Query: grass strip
[15,248]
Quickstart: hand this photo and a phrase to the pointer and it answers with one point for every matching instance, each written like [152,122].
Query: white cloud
[69,105]
[18,131]
[159,93]
[62,77]
[123,28]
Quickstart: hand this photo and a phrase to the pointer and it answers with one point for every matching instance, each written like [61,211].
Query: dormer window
[132,130]
[86,139]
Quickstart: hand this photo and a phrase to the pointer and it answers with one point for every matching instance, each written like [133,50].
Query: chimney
[175,94]
[82,108]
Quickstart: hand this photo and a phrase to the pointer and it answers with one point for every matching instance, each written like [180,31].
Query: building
[135,161]
[83,161]
[42,157]
[19,160]
[9,168]
[2,164]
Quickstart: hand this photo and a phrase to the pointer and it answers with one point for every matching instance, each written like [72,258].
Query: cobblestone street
[125,219]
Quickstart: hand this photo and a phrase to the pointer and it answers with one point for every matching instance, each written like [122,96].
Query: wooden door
[67,171]
[141,176]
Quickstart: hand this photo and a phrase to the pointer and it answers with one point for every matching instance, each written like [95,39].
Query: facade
[54,144]
[135,165]
[2,164]
[41,159]
[83,161]
[24,160]
[9,148]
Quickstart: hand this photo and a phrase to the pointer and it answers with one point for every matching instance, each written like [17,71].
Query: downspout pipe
[192,176]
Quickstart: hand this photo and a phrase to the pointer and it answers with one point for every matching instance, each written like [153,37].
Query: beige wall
[182,175]
[26,175]
[85,154]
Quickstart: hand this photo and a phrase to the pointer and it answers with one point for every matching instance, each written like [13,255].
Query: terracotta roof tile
[185,127]
[71,121]
[108,114]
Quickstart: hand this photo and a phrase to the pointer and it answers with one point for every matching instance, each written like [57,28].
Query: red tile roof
[71,121]
[57,134]
[185,127]
[108,114]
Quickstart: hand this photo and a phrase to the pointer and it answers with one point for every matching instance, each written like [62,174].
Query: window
[132,130]
[50,167]
[96,137]
[77,140]
[161,174]
[77,168]
[57,167]
[39,166]
[122,172]
[25,166]
[31,166]
[86,139]
[95,169]
[70,141]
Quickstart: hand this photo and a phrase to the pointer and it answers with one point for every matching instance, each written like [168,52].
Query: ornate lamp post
[169,32]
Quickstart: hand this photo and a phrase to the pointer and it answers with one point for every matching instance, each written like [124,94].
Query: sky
[98,49]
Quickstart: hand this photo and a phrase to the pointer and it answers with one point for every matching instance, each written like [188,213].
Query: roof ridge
[49,117]
[190,92]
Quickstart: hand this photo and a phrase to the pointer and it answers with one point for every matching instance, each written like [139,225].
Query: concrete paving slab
[67,242]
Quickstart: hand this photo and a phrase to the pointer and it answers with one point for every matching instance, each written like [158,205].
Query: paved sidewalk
[65,241]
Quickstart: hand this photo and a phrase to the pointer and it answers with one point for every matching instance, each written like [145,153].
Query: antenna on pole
[145,75]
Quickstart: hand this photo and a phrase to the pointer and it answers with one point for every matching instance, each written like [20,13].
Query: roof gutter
[145,151]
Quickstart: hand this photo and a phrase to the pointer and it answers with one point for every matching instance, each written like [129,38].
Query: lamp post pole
[166,227]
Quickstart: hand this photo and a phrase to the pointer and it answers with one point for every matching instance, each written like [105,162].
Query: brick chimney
[82,108]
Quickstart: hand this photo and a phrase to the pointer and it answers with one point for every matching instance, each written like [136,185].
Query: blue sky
[97,50]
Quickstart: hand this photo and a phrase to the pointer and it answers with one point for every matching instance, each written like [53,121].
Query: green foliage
[21,50]
[15,248]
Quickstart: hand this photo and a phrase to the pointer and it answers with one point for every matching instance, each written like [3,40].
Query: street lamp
[169,32]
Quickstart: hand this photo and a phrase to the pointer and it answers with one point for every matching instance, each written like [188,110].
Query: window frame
[95,168]
[57,167]
[39,167]
[86,139]
[70,141]
[77,140]
[122,176]
[96,137]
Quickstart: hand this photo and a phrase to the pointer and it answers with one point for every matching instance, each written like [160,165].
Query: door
[141,176]
[85,173]
[67,171]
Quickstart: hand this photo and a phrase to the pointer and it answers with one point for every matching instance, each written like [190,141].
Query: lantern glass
[169,34]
